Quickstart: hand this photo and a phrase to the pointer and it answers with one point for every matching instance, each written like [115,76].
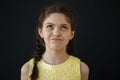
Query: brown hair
[40,48]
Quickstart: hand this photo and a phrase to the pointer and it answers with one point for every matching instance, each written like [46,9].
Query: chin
[56,47]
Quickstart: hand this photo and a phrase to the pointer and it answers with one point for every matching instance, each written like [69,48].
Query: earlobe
[40,32]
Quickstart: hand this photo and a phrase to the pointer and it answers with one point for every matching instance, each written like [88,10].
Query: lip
[56,39]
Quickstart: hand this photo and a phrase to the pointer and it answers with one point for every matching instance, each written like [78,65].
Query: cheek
[46,34]
[67,35]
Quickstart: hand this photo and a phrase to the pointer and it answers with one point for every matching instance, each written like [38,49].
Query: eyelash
[64,27]
[51,27]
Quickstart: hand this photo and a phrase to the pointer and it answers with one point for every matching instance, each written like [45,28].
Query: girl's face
[56,31]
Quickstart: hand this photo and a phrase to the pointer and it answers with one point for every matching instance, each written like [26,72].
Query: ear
[40,32]
[72,34]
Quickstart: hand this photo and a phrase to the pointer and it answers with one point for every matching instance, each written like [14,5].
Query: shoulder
[25,67]
[84,71]
[75,58]
[25,71]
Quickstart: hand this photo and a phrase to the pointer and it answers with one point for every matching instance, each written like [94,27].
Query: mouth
[56,39]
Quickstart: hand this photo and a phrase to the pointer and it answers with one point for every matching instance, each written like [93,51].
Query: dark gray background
[96,39]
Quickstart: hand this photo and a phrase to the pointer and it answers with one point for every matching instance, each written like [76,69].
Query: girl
[53,58]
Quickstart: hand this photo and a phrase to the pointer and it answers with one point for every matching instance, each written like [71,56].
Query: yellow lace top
[69,70]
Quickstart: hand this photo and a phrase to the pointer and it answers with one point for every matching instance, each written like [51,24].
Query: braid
[40,49]
[38,55]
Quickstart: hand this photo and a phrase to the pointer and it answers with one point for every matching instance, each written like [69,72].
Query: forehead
[56,18]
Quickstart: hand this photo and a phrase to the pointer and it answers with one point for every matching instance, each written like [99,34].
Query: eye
[64,27]
[50,27]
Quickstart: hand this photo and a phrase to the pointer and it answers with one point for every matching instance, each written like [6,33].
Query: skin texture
[56,33]
[25,71]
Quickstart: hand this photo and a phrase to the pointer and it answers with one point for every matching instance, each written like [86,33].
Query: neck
[55,57]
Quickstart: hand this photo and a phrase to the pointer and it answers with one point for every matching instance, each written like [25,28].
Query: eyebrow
[54,24]
[49,23]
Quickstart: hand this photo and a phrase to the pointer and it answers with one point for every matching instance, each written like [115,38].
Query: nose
[57,32]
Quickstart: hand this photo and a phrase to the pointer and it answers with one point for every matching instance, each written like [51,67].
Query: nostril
[56,35]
